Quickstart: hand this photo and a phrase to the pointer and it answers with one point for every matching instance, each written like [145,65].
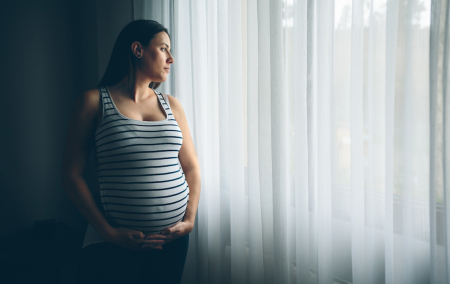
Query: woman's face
[156,58]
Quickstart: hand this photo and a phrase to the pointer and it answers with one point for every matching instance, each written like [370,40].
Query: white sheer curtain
[321,128]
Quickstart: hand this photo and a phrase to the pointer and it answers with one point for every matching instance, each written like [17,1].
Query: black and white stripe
[142,184]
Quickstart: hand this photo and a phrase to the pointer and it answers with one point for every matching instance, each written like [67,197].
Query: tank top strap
[166,99]
[165,103]
[105,100]
[102,93]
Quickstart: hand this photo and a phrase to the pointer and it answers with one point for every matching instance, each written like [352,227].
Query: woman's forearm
[193,179]
[79,193]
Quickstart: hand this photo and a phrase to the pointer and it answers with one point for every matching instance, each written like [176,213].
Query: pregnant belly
[146,210]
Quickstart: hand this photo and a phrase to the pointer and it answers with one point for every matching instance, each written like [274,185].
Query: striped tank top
[142,183]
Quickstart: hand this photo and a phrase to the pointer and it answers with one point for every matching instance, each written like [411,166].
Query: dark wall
[49,55]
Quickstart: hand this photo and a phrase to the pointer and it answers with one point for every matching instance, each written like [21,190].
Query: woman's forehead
[162,37]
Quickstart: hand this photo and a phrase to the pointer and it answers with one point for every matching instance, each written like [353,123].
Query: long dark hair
[122,61]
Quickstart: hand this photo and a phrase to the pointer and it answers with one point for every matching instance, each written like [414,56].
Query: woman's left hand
[178,230]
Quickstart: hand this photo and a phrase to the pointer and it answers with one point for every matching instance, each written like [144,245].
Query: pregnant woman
[147,167]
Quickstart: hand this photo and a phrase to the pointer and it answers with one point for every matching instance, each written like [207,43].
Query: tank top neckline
[140,121]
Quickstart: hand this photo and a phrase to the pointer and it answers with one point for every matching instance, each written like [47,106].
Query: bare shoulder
[88,103]
[173,101]
[177,108]
[92,94]
[91,99]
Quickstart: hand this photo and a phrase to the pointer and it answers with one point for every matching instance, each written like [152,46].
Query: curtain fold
[357,137]
[324,115]
[301,216]
[322,130]
[439,141]
[391,50]
[255,222]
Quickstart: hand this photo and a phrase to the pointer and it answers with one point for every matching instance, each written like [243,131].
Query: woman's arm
[79,142]
[188,160]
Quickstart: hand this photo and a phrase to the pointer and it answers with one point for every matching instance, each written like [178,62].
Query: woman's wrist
[190,224]
[107,233]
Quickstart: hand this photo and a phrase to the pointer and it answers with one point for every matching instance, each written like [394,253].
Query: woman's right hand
[132,239]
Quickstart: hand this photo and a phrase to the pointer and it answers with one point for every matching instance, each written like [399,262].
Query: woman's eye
[164,48]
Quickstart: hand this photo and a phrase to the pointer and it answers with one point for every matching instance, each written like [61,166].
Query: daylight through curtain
[322,130]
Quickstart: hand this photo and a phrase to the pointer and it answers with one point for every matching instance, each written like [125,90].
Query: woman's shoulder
[91,94]
[173,102]
[89,101]
[176,107]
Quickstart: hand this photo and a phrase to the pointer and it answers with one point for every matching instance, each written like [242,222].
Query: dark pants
[108,263]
